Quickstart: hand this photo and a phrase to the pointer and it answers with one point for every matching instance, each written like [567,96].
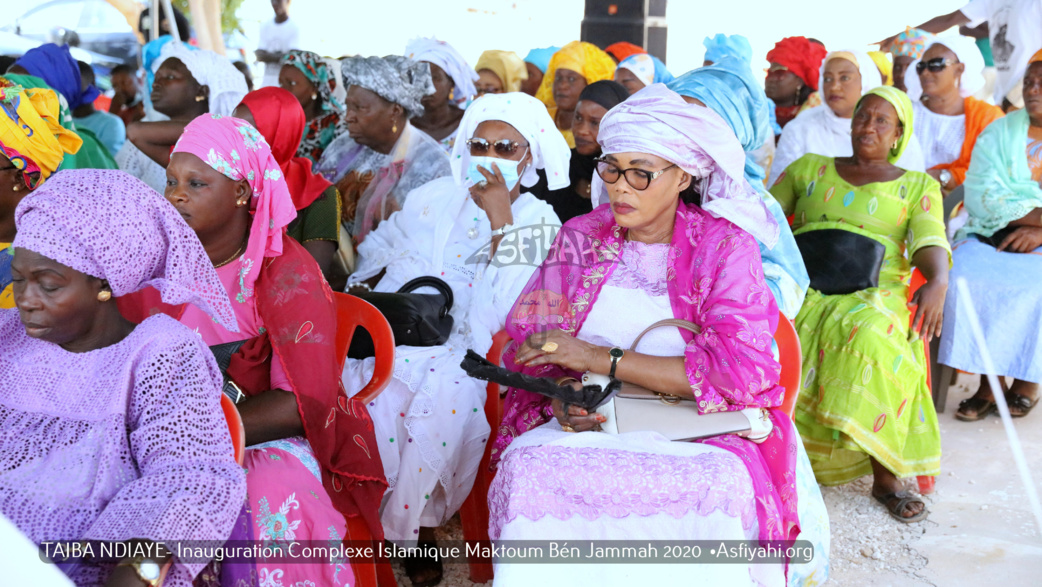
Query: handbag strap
[667,322]
[429,281]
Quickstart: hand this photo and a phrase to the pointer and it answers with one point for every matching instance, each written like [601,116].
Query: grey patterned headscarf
[394,78]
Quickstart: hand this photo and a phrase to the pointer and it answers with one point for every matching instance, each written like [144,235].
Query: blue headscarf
[56,66]
[723,45]
[728,88]
[541,57]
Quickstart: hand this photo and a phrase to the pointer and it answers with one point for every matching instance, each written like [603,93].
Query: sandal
[424,571]
[1019,405]
[979,406]
[903,499]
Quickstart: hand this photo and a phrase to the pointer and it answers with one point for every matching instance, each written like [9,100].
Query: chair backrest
[790,355]
[351,313]
[231,415]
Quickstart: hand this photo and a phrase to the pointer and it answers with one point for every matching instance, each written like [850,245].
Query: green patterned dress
[864,389]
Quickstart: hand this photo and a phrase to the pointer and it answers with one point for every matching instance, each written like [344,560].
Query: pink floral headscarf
[235,149]
[658,121]
[111,225]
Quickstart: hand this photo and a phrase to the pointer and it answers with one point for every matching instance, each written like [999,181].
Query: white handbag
[636,409]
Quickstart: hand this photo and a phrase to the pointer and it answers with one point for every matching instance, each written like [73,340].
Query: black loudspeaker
[641,22]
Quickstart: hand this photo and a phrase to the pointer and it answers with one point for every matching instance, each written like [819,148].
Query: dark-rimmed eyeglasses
[504,147]
[640,179]
[935,65]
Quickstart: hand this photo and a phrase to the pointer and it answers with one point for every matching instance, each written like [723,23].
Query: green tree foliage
[229,8]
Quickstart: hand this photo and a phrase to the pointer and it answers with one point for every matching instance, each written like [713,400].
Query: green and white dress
[864,390]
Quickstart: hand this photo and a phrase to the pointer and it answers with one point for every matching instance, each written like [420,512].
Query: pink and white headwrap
[111,225]
[658,121]
[234,148]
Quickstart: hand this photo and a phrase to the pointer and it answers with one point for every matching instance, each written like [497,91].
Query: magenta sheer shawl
[714,279]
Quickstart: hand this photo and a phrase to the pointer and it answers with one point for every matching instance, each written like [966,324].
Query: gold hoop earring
[104,295]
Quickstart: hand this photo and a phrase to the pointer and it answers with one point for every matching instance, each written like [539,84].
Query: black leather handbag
[840,261]
[416,319]
[223,353]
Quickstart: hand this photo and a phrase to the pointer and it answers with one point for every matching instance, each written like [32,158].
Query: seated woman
[649,254]
[947,116]
[845,77]
[453,87]
[792,80]
[636,72]
[595,101]
[33,145]
[536,63]
[113,431]
[188,83]
[54,68]
[309,77]
[499,72]
[997,254]
[907,48]
[308,441]
[729,89]
[280,119]
[468,231]
[383,157]
[571,69]
[864,407]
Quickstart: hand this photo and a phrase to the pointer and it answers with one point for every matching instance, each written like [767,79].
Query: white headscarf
[227,86]
[444,56]
[340,91]
[870,77]
[966,51]
[529,117]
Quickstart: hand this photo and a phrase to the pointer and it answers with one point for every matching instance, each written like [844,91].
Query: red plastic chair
[231,415]
[790,355]
[474,512]
[351,313]
[926,482]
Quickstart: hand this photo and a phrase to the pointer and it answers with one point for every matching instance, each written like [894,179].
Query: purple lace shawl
[715,279]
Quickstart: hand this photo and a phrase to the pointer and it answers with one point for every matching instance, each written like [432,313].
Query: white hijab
[967,52]
[227,86]
[529,117]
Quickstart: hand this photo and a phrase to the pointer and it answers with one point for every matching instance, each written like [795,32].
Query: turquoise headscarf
[999,187]
[721,46]
[903,105]
[728,88]
[541,57]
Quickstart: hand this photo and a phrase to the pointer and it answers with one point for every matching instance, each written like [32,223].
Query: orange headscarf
[622,50]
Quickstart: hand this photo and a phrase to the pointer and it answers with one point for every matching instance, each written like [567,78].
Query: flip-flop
[1020,402]
[904,498]
[981,406]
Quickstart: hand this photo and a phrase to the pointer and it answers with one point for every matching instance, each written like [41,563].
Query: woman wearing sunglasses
[845,76]
[477,231]
[947,116]
[676,239]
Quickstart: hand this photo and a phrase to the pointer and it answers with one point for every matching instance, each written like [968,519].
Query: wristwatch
[502,230]
[945,176]
[147,569]
[616,356]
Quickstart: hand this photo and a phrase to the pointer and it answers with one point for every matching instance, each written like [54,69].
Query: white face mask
[510,170]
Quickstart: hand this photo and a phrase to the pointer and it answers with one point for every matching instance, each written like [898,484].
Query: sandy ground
[980,531]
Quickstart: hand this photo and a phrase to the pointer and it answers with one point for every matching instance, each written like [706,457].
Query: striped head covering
[30,133]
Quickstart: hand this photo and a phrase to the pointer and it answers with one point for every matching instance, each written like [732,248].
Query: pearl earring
[314,96]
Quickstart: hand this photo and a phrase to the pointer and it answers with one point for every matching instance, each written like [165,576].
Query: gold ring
[567,428]
[549,347]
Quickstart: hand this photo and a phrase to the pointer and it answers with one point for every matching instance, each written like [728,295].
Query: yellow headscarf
[583,58]
[505,64]
[30,135]
[884,66]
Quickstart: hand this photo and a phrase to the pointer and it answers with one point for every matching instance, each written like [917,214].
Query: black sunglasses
[504,147]
[638,178]
[935,65]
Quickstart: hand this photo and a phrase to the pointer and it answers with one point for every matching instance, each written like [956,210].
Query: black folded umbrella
[589,397]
